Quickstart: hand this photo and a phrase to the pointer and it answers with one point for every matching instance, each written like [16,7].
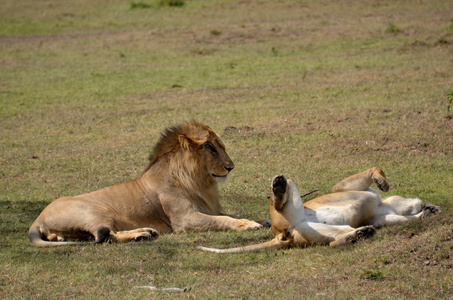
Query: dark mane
[167,143]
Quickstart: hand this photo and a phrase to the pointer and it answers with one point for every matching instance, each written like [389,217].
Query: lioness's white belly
[354,208]
[331,215]
[354,215]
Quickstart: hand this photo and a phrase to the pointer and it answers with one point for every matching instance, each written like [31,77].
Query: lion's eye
[210,147]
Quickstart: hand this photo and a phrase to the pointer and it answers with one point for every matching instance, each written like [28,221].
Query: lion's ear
[187,143]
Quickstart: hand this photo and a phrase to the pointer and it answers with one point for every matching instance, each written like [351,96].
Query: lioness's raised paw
[382,184]
[279,184]
[430,209]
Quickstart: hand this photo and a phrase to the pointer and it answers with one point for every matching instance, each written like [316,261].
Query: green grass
[317,90]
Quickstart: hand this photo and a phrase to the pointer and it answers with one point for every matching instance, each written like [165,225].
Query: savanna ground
[315,90]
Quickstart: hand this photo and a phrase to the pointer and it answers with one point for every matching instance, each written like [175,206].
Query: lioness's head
[195,150]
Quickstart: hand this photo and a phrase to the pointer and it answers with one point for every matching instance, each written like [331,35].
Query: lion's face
[201,154]
[217,161]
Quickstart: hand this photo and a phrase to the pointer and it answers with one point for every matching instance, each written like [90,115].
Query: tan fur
[350,213]
[177,192]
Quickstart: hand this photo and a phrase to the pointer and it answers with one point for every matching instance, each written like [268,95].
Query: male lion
[351,212]
[177,192]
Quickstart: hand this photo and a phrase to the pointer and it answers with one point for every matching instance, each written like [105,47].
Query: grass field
[315,90]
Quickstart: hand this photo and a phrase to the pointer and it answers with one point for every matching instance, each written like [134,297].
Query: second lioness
[351,212]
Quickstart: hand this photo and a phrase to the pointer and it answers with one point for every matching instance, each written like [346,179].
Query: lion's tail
[281,241]
[35,237]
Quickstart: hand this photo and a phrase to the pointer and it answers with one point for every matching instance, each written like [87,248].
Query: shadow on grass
[18,216]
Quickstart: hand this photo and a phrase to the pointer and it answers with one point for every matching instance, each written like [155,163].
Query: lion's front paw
[430,209]
[245,224]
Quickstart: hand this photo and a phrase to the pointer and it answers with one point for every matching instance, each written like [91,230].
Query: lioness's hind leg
[408,207]
[430,209]
[393,219]
[388,220]
[402,206]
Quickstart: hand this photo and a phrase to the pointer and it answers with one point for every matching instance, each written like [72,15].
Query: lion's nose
[229,168]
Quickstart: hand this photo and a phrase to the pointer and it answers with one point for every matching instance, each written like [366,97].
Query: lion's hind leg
[140,234]
[104,234]
[78,219]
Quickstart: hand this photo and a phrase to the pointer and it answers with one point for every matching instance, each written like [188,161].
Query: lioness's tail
[35,237]
[279,242]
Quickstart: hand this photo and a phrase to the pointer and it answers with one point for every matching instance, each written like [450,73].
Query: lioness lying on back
[351,212]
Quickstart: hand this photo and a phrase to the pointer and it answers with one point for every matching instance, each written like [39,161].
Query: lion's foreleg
[197,221]
[264,222]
